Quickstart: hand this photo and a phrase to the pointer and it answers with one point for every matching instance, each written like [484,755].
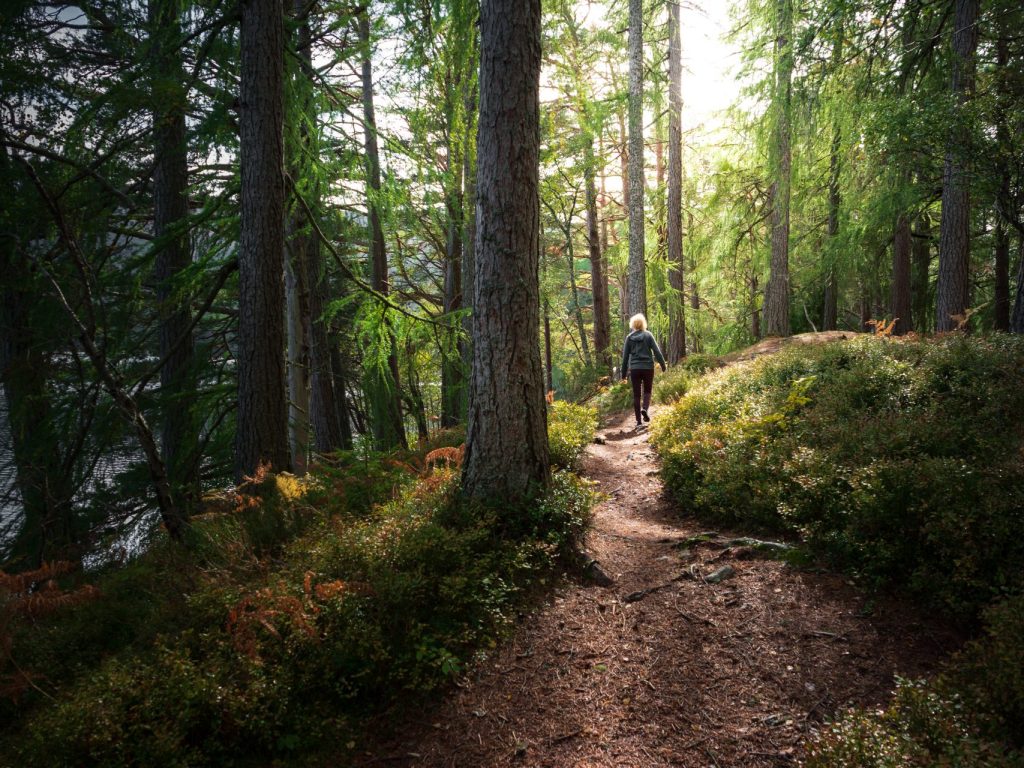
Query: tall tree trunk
[262,435]
[296,324]
[469,241]
[548,366]
[383,386]
[174,253]
[637,288]
[865,307]
[674,203]
[347,414]
[574,292]
[922,248]
[952,291]
[776,294]
[416,404]
[598,278]
[1017,318]
[452,373]
[902,245]
[330,422]
[322,401]
[41,479]
[831,310]
[459,118]
[506,454]
[755,313]
[604,229]
[1001,321]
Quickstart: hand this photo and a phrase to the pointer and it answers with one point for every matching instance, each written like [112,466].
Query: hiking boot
[643,412]
[639,425]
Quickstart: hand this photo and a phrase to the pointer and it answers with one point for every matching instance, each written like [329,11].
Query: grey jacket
[639,353]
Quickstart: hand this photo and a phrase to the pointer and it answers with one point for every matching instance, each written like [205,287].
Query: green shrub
[272,662]
[618,396]
[920,727]
[668,386]
[571,428]
[990,670]
[890,458]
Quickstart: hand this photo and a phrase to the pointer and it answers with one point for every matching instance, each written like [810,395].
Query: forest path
[692,674]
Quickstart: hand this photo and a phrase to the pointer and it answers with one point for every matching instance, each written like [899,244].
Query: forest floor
[735,673]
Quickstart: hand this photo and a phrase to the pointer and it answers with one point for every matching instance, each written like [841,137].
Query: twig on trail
[692,620]
[822,633]
[565,736]
[633,597]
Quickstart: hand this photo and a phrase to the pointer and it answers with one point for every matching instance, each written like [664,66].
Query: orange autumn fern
[267,609]
[882,328]
[33,594]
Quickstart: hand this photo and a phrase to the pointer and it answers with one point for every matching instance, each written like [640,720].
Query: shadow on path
[693,674]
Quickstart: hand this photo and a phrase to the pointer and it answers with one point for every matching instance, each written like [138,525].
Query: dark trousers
[641,380]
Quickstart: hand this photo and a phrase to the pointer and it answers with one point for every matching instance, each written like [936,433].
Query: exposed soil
[775,343]
[692,674]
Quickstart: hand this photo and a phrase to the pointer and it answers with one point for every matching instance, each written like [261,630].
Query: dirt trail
[693,674]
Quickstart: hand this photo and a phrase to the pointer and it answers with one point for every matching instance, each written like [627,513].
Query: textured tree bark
[830,312]
[347,413]
[469,240]
[637,288]
[296,324]
[296,270]
[506,454]
[952,291]
[384,386]
[452,374]
[1001,320]
[598,278]
[549,370]
[41,479]
[755,312]
[901,295]
[324,417]
[577,311]
[831,309]
[776,293]
[922,257]
[170,213]
[262,435]
[674,203]
[459,111]
[1017,317]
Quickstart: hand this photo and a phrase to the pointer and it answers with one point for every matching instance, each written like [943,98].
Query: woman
[638,356]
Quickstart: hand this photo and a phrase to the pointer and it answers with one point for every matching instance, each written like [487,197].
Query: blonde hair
[638,322]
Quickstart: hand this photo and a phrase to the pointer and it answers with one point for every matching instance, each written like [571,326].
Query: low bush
[989,671]
[922,726]
[890,458]
[571,428]
[668,386]
[899,461]
[280,659]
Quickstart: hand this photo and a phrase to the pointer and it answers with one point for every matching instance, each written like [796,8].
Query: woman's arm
[657,352]
[625,357]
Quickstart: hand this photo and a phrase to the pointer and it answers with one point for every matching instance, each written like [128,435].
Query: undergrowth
[668,386]
[300,607]
[895,460]
[898,461]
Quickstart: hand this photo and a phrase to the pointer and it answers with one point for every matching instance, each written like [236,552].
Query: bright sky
[709,86]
